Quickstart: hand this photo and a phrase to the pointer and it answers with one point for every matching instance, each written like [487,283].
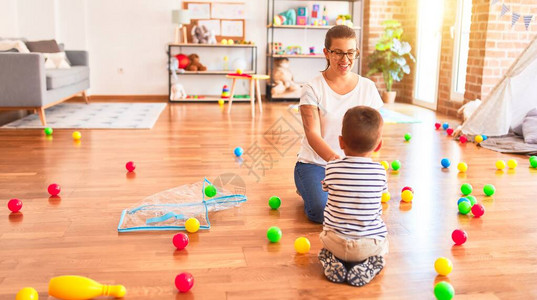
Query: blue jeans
[308,179]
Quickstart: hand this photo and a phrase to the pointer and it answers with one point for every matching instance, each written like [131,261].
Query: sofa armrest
[77,57]
[22,80]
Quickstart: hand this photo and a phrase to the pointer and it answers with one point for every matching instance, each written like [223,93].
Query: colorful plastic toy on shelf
[277,48]
[325,17]
[302,16]
[225,92]
[79,288]
[344,20]
[314,19]
[293,50]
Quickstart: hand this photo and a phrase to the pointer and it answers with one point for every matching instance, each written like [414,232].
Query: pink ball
[478,210]
[407,188]
[459,236]
[463,139]
[54,189]
[184,282]
[180,241]
[437,125]
[14,205]
[130,166]
[449,131]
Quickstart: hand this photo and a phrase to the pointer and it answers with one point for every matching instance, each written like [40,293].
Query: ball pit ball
[478,210]
[180,241]
[489,189]
[512,163]
[192,225]
[274,202]
[302,245]
[449,131]
[385,197]
[444,291]
[472,199]
[210,191]
[407,196]
[407,188]
[48,130]
[220,102]
[445,126]
[27,293]
[239,71]
[466,189]
[184,282]
[396,165]
[445,163]
[408,137]
[54,189]
[77,135]
[459,236]
[463,199]
[478,139]
[238,151]
[465,207]
[274,234]
[533,162]
[462,167]
[463,139]
[14,205]
[484,137]
[130,166]
[443,266]
[385,165]
[500,164]
[437,125]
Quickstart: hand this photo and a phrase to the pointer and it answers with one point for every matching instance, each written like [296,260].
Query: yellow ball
[385,197]
[302,245]
[512,163]
[443,266]
[192,225]
[478,138]
[223,42]
[77,135]
[462,166]
[500,164]
[220,102]
[239,71]
[407,196]
[27,293]
[385,165]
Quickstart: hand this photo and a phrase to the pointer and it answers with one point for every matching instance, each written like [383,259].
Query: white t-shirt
[332,107]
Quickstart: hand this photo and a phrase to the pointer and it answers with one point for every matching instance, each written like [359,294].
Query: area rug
[389,116]
[95,116]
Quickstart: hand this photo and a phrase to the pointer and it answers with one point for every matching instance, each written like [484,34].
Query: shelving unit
[274,30]
[179,48]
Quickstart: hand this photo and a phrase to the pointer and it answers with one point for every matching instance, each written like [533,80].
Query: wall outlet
[120,70]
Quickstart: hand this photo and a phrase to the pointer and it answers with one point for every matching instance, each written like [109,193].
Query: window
[460,51]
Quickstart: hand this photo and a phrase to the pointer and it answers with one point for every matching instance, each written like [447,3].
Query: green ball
[210,191]
[274,234]
[274,202]
[465,207]
[48,131]
[408,137]
[444,291]
[533,162]
[466,189]
[472,199]
[396,165]
[489,189]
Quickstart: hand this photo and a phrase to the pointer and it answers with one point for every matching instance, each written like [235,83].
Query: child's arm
[325,186]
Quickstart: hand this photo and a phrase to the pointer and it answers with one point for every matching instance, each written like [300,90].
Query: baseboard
[122,98]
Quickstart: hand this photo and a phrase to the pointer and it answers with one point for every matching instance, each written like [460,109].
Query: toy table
[254,88]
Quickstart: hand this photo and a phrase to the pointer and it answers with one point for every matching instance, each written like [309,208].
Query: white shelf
[297,55]
[211,72]
[210,98]
[305,27]
[214,45]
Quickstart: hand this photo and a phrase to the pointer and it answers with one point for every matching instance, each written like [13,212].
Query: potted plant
[390,58]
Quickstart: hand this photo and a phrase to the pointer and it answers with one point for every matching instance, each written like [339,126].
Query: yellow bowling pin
[80,288]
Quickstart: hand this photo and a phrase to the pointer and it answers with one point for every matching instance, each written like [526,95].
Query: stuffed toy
[201,35]
[283,78]
[289,17]
[177,90]
[195,64]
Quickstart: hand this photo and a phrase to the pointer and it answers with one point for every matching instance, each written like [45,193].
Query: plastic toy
[533,162]
[77,135]
[79,288]
[289,17]
[444,291]
[14,205]
[445,163]
[302,16]
[489,189]
[500,164]
[443,266]
[385,165]
[302,245]
[459,236]
[385,197]
[407,188]
[396,165]
[238,151]
[437,125]
[274,234]
[472,199]
[225,92]
[180,241]
[312,50]
[462,199]
[512,163]
[407,196]
[315,15]
[277,48]
[408,136]
[445,125]
[462,167]
[48,131]
[184,282]
[466,189]
[210,190]
[478,138]
[275,202]
[27,293]
[465,207]
[192,225]
[463,139]
[54,189]
[478,210]
[130,166]
[449,131]
[484,137]
[221,102]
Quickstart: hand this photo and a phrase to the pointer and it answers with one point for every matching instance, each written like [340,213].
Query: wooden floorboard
[77,233]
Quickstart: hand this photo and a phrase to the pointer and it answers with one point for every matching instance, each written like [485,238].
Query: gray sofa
[26,84]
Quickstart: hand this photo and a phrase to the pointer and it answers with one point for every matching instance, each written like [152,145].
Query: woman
[323,103]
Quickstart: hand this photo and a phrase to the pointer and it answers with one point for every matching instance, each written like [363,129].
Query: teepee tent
[509,100]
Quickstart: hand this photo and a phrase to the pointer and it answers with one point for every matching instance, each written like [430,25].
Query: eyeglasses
[351,55]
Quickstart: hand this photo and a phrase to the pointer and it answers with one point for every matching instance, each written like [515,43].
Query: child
[354,235]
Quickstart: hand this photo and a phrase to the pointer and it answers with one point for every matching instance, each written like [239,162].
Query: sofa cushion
[56,60]
[49,46]
[13,44]
[57,78]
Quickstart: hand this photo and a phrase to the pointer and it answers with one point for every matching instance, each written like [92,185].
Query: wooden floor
[77,234]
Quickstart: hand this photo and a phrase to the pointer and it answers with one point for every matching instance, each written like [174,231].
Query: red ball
[184,282]
[437,125]
[180,241]
[130,166]
[449,131]
[407,188]
[54,189]
[463,139]
[14,205]
[183,61]
[459,237]
[478,210]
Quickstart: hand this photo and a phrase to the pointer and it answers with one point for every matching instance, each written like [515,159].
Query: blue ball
[463,199]
[445,126]
[445,163]
[484,137]
[238,151]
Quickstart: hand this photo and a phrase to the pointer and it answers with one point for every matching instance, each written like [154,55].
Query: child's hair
[362,128]
[338,32]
